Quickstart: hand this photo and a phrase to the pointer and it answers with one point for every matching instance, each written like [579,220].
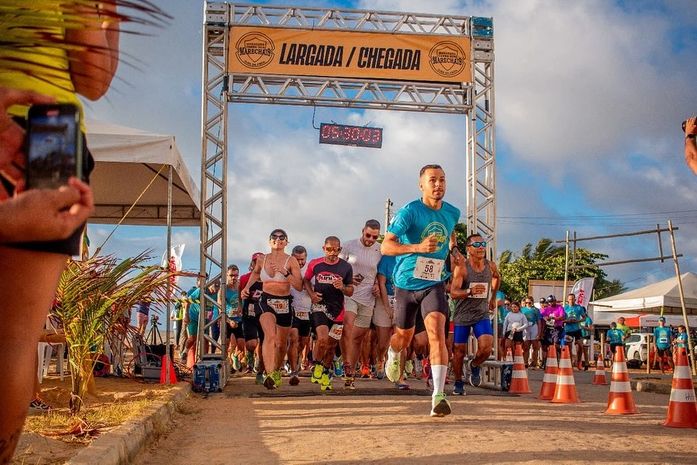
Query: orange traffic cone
[599,376]
[620,401]
[167,365]
[682,408]
[549,380]
[519,379]
[565,390]
[509,355]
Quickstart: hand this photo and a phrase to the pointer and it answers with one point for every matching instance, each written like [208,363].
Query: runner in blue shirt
[575,314]
[532,332]
[421,235]
[615,337]
[662,337]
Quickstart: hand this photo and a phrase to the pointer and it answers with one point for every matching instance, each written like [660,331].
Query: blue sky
[589,101]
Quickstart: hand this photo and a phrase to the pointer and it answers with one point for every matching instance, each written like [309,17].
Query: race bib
[428,269]
[302,315]
[319,308]
[280,306]
[250,311]
[663,340]
[480,295]
[336,331]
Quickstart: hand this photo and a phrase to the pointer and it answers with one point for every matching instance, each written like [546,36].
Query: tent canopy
[662,297]
[127,160]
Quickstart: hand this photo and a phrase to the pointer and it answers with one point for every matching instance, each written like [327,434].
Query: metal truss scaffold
[474,99]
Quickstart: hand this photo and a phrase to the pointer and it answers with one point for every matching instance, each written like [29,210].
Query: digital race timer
[342,134]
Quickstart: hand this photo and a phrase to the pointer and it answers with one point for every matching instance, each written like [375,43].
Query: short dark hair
[233,267]
[277,231]
[372,224]
[429,167]
[469,238]
[332,239]
[298,249]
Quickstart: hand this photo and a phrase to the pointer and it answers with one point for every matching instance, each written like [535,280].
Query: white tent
[127,160]
[662,297]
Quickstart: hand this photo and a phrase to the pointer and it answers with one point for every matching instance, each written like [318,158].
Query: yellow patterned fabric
[39,68]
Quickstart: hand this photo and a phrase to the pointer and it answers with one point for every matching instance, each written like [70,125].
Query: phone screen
[53,147]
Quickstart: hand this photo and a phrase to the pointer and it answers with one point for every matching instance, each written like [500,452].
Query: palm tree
[36,24]
[92,299]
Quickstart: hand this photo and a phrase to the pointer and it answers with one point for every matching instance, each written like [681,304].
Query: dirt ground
[379,425]
[45,448]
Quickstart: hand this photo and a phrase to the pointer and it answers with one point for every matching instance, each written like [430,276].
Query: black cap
[551,298]
[543,300]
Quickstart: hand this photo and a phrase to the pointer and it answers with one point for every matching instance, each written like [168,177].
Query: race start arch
[341,58]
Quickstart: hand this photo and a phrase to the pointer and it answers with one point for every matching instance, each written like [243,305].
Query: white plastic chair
[45,354]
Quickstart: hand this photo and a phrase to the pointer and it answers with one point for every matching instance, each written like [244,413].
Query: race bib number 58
[429,269]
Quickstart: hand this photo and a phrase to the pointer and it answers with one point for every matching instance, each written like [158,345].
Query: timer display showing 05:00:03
[341,134]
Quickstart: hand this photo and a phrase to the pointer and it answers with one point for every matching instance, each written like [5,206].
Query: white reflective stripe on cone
[565,363]
[621,386]
[549,378]
[518,359]
[519,374]
[565,379]
[682,372]
[682,395]
[618,367]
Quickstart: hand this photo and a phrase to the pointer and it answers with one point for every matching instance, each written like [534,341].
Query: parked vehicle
[636,348]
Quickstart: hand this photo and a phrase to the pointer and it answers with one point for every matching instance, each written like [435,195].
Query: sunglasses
[507,304]
[371,236]
[277,237]
[332,249]
[478,244]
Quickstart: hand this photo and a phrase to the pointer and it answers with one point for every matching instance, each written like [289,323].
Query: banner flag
[583,289]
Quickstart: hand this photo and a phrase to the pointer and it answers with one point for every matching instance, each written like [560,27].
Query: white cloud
[589,99]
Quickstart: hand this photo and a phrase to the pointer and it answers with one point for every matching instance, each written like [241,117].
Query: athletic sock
[439,373]
[392,352]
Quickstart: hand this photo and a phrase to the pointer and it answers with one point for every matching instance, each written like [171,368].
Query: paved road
[379,425]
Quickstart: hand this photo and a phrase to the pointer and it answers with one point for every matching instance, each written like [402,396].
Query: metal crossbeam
[349,93]
[343,19]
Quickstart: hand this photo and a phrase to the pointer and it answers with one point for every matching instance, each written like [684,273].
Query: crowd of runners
[401,308]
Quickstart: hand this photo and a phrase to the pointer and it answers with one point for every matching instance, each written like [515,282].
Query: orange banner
[348,54]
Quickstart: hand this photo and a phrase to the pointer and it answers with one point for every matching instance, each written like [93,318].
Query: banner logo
[447,59]
[255,50]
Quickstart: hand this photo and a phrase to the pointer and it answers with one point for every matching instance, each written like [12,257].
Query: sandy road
[377,426]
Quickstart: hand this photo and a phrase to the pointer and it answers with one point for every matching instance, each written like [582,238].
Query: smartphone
[53,146]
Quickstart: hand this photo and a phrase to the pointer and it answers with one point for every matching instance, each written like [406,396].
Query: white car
[637,348]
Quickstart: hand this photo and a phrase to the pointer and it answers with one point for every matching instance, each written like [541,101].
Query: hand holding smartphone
[53,146]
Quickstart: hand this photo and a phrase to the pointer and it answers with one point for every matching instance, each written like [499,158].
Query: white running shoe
[392,370]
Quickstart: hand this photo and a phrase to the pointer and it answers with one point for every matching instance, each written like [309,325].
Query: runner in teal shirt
[662,337]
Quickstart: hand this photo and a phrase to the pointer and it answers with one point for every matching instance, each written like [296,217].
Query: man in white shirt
[363,255]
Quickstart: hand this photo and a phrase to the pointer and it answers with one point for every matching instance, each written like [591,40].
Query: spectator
[86,70]
[615,337]
[626,330]
[690,143]
[514,326]
[142,315]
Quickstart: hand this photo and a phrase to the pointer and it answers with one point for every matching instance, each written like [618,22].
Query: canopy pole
[682,297]
[169,281]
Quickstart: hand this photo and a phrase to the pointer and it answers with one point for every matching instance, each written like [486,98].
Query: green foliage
[92,300]
[546,262]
